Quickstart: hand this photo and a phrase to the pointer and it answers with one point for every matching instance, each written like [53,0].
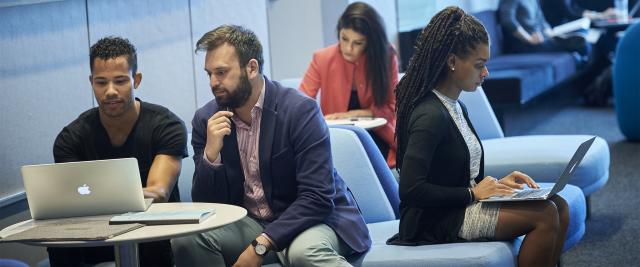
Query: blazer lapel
[233,166]
[267,131]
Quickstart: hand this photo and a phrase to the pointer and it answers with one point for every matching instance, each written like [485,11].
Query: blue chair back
[481,114]
[291,82]
[295,84]
[626,83]
[361,165]
[489,19]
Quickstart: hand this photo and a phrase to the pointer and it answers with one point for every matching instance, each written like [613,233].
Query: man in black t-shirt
[123,126]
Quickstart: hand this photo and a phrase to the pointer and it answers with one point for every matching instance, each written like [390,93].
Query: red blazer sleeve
[311,82]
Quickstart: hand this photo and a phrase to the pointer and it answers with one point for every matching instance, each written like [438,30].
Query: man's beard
[238,97]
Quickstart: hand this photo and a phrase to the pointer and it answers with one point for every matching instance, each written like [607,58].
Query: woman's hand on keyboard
[490,187]
[517,180]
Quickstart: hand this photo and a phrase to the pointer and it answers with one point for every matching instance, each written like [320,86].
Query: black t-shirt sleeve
[170,137]
[67,147]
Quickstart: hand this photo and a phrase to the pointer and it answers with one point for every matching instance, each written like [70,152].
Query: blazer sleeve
[312,79]
[426,131]
[208,180]
[309,139]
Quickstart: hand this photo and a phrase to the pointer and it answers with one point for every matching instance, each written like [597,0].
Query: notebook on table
[546,193]
[164,217]
[83,188]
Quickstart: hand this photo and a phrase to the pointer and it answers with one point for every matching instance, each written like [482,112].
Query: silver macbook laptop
[83,188]
[546,193]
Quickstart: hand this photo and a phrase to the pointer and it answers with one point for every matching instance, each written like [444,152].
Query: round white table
[362,122]
[126,245]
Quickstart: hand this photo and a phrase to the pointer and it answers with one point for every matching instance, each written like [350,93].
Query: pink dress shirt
[248,137]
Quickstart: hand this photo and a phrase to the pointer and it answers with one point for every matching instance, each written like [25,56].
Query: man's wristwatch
[260,249]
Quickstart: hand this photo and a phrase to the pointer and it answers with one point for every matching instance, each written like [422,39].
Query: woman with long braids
[356,77]
[440,157]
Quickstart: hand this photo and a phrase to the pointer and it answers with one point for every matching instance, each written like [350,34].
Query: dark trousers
[151,254]
[381,144]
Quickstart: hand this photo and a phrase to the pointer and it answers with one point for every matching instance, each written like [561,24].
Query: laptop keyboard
[532,193]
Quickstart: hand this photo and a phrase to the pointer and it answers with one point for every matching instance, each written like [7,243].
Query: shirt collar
[260,103]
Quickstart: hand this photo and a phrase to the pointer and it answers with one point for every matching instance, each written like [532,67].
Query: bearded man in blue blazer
[266,148]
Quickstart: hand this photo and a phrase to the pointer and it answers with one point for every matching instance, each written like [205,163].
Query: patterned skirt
[480,220]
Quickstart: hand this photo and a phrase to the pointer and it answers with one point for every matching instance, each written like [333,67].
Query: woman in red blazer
[357,76]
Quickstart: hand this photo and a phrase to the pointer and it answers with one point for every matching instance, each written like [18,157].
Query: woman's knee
[550,216]
[561,205]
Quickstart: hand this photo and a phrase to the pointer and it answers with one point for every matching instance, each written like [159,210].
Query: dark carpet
[612,236]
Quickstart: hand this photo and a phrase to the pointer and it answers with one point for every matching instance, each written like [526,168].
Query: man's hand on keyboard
[517,180]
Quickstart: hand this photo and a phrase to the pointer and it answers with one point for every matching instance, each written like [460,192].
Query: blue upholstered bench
[518,78]
[376,191]
[364,170]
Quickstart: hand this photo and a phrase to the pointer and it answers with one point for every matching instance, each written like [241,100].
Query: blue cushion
[517,85]
[626,83]
[561,66]
[352,163]
[385,177]
[465,254]
[455,254]
[544,157]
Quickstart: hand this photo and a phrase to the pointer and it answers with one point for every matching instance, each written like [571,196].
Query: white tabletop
[225,214]
[362,122]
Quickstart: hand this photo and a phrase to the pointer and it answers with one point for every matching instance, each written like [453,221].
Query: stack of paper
[572,26]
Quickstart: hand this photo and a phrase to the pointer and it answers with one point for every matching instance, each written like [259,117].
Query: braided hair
[450,31]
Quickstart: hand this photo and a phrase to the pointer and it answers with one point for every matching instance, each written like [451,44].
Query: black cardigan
[434,177]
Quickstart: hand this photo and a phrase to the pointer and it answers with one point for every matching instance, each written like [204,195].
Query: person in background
[441,160]
[526,30]
[596,76]
[558,12]
[356,77]
[123,126]
[266,148]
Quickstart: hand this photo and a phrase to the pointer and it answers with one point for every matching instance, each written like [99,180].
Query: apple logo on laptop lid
[84,189]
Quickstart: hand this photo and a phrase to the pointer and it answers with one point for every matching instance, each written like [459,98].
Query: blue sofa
[519,78]
[363,168]
[543,157]
[529,154]
[361,165]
